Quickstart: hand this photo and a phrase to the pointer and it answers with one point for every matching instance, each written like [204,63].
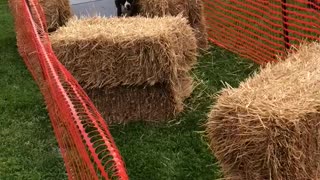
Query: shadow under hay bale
[193,10]
[57,13]
[132,68]
[269,128]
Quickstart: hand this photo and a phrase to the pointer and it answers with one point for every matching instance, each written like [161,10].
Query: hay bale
[193,10]
[133,103]
[57,13]
[130,60]
[269,128]
[124,103]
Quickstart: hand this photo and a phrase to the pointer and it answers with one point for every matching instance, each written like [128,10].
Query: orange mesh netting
[261,30]
[86,144]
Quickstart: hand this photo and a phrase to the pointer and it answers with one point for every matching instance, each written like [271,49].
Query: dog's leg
[134,10]
[119,10]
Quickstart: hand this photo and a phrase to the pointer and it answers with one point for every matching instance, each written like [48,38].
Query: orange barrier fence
[86,144]
[259,30]
[262,30]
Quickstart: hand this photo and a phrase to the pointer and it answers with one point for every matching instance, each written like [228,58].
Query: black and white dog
[125,7]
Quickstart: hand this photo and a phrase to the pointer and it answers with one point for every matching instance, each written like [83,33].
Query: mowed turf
[28,148]
[176,150]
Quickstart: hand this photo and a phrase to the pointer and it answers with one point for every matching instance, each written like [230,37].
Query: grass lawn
[176,150]
[28,148]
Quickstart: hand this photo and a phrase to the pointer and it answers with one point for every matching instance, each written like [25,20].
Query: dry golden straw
[144,60]
[57,13]
[191,9]
[269,127]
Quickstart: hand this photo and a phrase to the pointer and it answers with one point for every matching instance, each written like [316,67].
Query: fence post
[285,24]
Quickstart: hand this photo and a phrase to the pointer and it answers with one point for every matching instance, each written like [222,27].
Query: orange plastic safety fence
[85,142]
[262,30]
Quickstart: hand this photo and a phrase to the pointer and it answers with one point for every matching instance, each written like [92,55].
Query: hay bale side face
[123,104]
[57,13]
[268,128]
[198,23]
[126,104]
[154,8]
[191,9]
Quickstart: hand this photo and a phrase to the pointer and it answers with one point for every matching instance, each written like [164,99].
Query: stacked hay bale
[269,127]
[132,68]
[191,9]
[57,13]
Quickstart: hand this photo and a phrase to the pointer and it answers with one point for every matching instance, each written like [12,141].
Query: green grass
[28,148]
[176,150]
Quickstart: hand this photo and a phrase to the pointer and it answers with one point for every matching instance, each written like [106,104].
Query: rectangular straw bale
[121,58]
[125,51]
[155,103]
[123,103]
[193,10]
[57,13]
[269,127]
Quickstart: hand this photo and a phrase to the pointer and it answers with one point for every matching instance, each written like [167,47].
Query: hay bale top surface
[109,52]
[285,90]
[120,29]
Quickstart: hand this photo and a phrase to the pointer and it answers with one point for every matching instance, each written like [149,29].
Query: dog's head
[127,4]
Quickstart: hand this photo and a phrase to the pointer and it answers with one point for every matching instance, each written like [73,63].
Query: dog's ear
[117,2]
